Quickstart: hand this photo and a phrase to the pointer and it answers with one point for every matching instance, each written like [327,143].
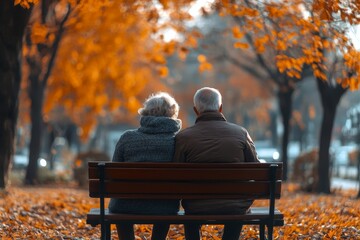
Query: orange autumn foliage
[111,52]
[300,33]
[25,3]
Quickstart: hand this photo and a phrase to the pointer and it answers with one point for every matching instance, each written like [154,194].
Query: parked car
[266,151]
[80,167]
[342,155]
[344,161]
[21,160]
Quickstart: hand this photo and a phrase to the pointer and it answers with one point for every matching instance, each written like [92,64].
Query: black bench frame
[186,181]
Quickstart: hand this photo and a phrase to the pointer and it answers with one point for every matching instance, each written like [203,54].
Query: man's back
[213,139]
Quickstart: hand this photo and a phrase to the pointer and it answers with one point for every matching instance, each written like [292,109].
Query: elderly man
[213,139]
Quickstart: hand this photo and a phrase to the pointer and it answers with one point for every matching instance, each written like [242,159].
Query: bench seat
[256,216]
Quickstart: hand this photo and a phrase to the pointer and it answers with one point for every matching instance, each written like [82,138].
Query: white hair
[207,99]
[160,104]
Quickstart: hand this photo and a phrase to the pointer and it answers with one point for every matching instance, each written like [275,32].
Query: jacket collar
[210,116]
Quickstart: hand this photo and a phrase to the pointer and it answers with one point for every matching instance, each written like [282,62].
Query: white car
[267,152]
[21,161]
[341,155]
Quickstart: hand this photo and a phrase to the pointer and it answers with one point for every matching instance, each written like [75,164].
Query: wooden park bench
[186,181]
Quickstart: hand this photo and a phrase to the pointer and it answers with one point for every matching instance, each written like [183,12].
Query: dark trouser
[126,231]
[231,231]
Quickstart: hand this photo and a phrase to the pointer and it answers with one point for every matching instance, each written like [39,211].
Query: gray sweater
[154,141]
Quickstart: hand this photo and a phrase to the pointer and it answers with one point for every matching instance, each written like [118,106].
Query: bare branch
[55,46]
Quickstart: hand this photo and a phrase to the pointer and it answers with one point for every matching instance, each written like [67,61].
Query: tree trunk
[285,104]
[358,170]
[274,128]
[36,93]
[13,20]
[324,146]
[39,75]
[358,153]
[330,97]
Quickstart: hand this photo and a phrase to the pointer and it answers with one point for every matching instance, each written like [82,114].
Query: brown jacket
[213,139]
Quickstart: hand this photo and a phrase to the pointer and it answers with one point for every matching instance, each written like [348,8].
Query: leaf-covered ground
[60,212]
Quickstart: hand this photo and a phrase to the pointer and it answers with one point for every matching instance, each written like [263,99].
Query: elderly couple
[211,139]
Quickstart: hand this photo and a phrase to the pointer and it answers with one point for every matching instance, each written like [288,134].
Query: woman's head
[160,104]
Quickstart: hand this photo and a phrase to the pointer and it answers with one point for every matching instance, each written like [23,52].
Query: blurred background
[83,81]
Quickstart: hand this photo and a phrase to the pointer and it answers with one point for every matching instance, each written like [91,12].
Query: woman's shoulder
[128,134]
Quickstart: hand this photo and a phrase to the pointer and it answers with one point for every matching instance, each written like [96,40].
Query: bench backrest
[185,180]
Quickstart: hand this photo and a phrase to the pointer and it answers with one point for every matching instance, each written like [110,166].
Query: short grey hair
[207,99]
[160,104]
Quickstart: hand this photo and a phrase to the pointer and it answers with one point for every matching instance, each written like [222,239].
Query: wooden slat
[183,165]
[189,196]
[256,214]
[184,171]
[159,190]
[182,174]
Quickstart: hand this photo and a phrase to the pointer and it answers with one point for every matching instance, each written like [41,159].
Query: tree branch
[55,46]
[259,57]
[247,68]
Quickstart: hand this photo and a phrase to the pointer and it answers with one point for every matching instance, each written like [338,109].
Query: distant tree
[244,88]
[13,21]
[101,66]
[317,30]
[42,44]
[106,66]
[334,61]
[263,36]
[205,65]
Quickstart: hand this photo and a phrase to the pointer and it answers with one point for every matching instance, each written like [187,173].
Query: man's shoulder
[189,132]
[186,131]
[236,126]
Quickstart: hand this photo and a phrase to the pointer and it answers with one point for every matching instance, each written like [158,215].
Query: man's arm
[250,152]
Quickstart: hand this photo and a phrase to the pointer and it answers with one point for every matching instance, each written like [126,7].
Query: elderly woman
[153,141]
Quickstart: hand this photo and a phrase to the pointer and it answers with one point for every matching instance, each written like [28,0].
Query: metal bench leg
[103,231]
[270,232]
[262,231]
[108,231]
